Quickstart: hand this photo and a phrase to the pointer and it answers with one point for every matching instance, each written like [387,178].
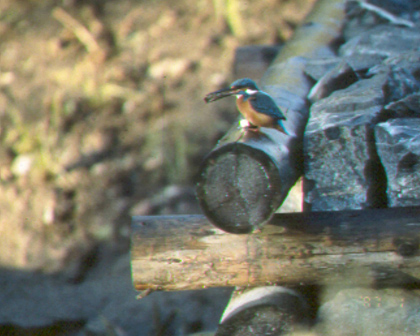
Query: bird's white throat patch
[250,91]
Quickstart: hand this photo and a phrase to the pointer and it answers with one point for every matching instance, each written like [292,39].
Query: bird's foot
[252,128]
[247,126]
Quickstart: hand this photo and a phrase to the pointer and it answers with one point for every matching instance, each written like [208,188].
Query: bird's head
[239,87]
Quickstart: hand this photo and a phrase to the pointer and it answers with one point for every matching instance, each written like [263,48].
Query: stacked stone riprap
[362,147]
[362,150]
[374,78]
[398,143]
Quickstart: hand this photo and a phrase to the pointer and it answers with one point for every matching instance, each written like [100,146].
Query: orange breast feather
[255,118]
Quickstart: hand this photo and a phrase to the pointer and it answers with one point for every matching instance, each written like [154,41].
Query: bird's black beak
[216,95]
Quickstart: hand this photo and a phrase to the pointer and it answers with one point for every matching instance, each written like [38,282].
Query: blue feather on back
[263,103]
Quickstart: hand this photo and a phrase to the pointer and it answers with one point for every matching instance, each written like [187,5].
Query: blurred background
[102,116]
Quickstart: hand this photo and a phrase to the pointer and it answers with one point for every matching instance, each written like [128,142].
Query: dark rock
[397,7]
[361,63]
[338,78]
[371,312]
[339,132]
[339,148]
[318,67]
[363,15]
[342,170]
[403,75]
[398,143]
[382,41]
[406,107]
[358,104]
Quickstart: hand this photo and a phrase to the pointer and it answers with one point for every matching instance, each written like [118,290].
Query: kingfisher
[258,108]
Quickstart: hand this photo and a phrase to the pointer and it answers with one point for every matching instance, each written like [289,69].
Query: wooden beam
[365,247]
[245,179]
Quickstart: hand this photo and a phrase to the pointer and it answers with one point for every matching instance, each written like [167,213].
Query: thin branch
[81,32]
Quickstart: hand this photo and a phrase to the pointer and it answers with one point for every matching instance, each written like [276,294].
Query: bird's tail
[281,127]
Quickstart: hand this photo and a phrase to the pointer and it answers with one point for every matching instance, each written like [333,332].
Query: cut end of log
[237,188]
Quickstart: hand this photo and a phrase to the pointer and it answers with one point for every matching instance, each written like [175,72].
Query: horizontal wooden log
[246,178]
[366,247]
